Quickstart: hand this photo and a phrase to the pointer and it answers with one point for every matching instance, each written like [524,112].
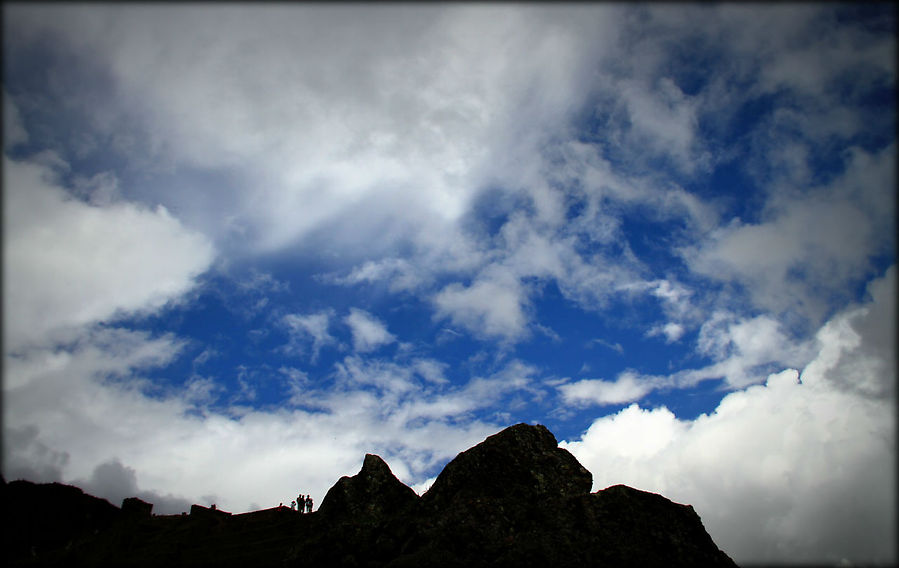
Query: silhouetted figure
[213,507]
[308,503]
[301,503]
[293,505]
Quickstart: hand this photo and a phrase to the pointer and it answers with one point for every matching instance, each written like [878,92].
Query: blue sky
[245,245]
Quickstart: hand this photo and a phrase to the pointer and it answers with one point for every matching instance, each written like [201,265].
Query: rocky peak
[520,462]
[371,494]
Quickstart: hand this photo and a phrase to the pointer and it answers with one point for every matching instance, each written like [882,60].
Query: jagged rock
[356,519]
[371,495]
[648,529]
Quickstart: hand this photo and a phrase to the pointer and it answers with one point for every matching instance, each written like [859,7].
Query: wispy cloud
[369,333]
[305,327]
[627,387]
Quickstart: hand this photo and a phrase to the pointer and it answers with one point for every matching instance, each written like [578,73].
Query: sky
[244,245]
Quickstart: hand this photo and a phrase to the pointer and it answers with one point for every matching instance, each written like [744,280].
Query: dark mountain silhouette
[515,499]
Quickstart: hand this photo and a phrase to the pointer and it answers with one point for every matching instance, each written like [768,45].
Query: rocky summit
[515,499]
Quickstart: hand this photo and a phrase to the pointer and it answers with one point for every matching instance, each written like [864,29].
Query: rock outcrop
[522,463]
[370,496]
[134,508]
[516,499]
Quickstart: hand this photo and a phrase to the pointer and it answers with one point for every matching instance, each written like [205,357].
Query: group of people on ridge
[303,504]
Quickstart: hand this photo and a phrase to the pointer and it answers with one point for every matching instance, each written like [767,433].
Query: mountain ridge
[515,499]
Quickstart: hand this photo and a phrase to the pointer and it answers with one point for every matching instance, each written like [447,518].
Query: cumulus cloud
[369,333]
[860,354]
[798,469]
[68,263]
[487,308]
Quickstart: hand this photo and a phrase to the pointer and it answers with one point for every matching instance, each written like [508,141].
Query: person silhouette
[308,503]
[293,505]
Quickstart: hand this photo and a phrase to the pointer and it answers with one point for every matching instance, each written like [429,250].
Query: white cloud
[369,333]
[421,488]
[677,302]
[309,326]
[431,370]
[859,353]
[526,253]
[662,118]
[617,347]
[671,330]
[479,393]
[742,349]
[812,247]
[399,273]
[261,283]
[789,471]
[410,129]
[743,352]
[82,395]
[393,380]
[487,308]
[433,129]
[68,264]
[26,457]
[627,387]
